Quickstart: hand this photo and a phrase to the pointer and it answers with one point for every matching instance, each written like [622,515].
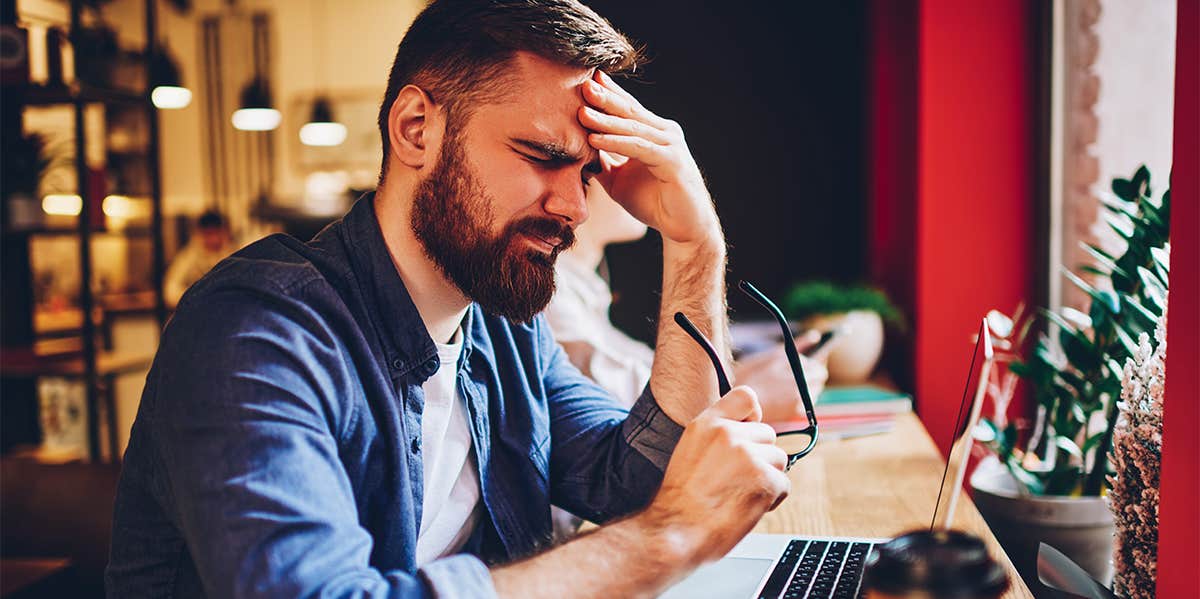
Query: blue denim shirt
[277,447]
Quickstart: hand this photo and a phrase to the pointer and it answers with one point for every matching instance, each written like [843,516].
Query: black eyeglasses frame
[793,356]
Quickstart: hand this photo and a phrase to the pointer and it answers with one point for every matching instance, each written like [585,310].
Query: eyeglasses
[797,443]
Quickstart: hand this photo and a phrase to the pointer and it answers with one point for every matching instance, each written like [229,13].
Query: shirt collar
[407,344]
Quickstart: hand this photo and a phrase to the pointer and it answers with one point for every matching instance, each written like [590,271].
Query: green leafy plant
[816,298]
[26,159]
[1076,368]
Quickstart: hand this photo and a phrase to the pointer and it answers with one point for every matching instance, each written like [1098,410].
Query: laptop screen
[968,414]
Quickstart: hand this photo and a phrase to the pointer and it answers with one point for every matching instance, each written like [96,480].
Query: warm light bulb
[62,204]
[170,96]
[256,119]
[115,206]
[322,134]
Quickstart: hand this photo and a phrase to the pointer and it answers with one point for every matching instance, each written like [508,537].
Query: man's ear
[414,127]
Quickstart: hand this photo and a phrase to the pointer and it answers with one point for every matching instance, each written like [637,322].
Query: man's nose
[567,198]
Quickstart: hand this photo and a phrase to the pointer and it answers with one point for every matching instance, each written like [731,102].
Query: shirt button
[416,445]
[397,364]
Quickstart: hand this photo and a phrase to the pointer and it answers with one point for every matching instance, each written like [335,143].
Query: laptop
[774,566]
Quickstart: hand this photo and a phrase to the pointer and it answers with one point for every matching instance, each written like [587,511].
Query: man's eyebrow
[551,150]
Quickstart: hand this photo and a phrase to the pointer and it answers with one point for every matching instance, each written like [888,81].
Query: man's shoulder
[276,265]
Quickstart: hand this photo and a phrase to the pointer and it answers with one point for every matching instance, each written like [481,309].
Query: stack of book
[844,412]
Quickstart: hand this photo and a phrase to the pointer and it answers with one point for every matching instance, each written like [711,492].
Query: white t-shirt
[450,508]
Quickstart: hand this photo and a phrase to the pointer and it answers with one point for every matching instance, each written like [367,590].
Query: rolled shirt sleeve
[650,431]
[605,461]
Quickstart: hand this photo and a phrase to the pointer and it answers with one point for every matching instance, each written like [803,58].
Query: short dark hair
[211,220]
[455,48]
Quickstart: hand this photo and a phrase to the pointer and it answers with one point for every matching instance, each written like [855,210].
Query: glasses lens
[794,442]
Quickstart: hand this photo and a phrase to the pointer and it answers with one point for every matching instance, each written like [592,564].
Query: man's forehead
[533,73]
[544,105]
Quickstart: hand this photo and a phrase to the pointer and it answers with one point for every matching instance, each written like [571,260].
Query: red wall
[975,185]
[961,232]
[1179,508]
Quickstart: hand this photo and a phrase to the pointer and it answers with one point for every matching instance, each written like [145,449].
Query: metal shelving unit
[95,365]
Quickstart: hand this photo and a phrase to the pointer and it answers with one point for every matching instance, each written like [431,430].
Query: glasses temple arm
[694,333]
[789,345]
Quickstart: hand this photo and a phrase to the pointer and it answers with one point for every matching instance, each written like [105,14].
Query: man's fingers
[740,404]
[613,102]
[757,432]
[815,370]
[610,84]
[606,123]
[807,340]
[771,454]
[639,148]
[612,160]
[784,495]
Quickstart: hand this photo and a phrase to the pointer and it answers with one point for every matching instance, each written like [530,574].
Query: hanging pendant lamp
[321,129]
[167,90]
[256,112]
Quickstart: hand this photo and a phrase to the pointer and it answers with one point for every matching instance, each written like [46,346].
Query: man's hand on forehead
[652,172]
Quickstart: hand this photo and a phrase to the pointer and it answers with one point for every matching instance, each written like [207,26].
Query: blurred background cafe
[929,162]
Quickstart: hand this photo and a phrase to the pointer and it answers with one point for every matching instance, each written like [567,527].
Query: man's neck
[440,303]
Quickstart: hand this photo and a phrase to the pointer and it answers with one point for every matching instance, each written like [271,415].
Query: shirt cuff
[461,576]
[650,431]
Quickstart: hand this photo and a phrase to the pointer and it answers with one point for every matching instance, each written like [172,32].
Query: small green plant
[816,298]
[26,159]
[1075,370]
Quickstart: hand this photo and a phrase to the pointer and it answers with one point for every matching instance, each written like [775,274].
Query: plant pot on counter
[1080,527]
[853,354]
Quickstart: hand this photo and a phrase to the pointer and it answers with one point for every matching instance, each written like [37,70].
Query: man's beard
[451,214]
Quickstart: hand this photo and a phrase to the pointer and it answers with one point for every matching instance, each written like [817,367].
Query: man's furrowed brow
[552,151]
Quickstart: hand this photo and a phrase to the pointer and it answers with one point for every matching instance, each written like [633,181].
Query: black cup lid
[949,564]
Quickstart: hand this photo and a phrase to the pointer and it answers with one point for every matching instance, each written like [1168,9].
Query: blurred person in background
[210,243]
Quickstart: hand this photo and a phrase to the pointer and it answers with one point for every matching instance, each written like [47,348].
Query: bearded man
[381,411]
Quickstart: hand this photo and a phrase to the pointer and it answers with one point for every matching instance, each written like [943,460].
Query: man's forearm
[682,377]
[637,557]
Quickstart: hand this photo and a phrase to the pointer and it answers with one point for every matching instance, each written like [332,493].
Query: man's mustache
[561,235]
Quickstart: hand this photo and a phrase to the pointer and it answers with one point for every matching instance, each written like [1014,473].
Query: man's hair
[211,220]
[458,50]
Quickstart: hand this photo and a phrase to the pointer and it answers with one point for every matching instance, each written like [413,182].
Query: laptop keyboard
[818,570]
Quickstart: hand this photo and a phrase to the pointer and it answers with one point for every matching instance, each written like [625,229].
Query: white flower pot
[854,354]
[1081,527]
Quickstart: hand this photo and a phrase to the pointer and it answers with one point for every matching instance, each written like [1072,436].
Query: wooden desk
[876,486]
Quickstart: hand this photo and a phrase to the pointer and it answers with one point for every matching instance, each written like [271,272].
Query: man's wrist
[674,546]
[709,239]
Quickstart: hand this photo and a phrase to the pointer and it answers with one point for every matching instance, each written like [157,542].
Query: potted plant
[1046,481]
[858,312]
[26,159]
